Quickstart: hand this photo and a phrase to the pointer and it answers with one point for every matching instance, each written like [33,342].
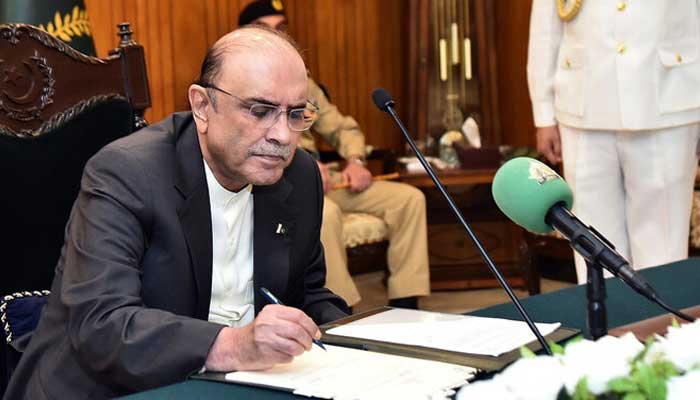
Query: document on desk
[350,374]
[451,332]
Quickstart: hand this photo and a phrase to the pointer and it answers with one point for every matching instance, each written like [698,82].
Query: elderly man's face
[240,150]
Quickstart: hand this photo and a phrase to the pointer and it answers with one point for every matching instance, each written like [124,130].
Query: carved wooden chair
[58,107]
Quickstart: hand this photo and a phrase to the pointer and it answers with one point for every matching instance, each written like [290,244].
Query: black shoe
[405,302]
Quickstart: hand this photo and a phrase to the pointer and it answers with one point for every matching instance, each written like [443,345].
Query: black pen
[272,299]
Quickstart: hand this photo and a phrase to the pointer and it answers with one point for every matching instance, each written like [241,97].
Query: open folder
[412,354]
[488,344]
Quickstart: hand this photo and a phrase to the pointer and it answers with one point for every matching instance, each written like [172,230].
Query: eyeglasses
[266,115]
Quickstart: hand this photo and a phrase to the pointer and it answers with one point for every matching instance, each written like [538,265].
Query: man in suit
[615,89]
[400,206]
[176,229]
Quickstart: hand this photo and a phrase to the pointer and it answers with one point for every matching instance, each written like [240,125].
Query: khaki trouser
[402,207]
[635,188]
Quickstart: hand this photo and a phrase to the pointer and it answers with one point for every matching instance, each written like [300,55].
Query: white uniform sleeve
[545,37]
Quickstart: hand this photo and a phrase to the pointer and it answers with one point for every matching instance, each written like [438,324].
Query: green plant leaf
[556,348]
[634,396]
[649,341]
[658,389]
[623,385]
[644,376]
[527,353]
[581,391]
[640,356]
[573,340]
[665,369]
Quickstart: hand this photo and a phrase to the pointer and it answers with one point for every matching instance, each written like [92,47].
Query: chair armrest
[20,312]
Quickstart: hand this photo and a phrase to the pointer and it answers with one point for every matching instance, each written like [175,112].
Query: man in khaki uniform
[401,206]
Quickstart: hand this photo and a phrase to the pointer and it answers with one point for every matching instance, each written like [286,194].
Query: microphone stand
[595,293]
[390,109]
[599,253]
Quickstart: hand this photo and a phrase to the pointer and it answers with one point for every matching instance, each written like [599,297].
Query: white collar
[221,196]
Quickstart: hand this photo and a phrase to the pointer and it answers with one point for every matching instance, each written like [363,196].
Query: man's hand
[549,143]
[357,176]
[277,335]
[325,177]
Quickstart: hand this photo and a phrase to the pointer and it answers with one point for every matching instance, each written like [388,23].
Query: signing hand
[357,176]
[277,335]
[549,143]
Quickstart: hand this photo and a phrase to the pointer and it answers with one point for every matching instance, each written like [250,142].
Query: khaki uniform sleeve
[341,131]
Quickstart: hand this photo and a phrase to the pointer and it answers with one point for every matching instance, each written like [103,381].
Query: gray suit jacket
[131,294]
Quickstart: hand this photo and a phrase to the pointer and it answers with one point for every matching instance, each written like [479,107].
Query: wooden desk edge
[449,177]
[655,325]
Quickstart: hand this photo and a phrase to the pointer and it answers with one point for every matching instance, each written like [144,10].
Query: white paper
[459,333]
[349,374]
[413,165]
[471,131]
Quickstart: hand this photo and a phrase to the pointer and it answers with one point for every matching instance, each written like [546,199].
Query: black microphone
[596,249]
[384,102]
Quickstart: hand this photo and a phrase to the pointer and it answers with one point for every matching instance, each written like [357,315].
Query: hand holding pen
[276,336]
[274,300]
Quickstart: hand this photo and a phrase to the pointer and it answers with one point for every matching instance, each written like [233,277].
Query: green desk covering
[196,389]
[677,283]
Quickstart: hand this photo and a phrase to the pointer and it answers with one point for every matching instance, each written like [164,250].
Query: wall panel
[517,125]
[351,46]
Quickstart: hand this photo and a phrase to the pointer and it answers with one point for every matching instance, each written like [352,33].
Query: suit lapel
[274,223]
[195,213]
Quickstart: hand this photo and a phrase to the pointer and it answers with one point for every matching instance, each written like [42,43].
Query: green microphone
[533,196]
[526,189]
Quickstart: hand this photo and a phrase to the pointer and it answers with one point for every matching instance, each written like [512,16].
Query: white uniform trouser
[635,188]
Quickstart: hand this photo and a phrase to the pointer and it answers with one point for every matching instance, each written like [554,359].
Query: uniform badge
[567,9]
[541,173]
[277,5]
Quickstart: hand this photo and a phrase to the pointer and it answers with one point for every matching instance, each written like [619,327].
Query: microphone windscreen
[525,189]
[382,99]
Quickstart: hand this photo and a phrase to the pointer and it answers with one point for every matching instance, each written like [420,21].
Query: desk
[677,283]
[455,262]
[448,178]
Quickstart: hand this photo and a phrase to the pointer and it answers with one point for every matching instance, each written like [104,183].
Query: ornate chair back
[58,107]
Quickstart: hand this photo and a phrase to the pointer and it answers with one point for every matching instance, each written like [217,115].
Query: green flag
[64,19]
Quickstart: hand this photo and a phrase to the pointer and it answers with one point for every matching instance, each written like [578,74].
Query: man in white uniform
[615,90]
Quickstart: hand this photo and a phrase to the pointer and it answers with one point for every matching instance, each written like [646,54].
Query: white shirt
[232,299]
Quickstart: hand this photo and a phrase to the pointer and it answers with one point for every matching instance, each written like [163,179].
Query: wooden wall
[512,27]
[351,46]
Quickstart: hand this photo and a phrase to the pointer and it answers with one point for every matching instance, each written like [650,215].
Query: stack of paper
[451,332]
[350,374]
